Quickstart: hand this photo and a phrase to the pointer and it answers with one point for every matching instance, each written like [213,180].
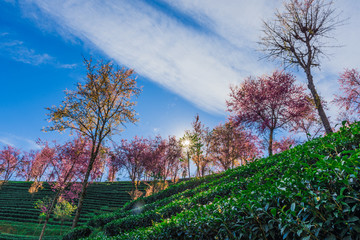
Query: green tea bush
[174,189]
[138,206]
[18,215]
[78,232]
[308,192]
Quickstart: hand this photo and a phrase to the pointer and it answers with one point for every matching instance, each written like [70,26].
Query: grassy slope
[308,192]
[19,219]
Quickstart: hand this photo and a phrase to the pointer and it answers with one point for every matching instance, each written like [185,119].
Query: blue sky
[186,54]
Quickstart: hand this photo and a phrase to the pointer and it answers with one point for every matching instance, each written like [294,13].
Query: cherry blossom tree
[298,36]
[173,155]
[113,167]
[67,168]
[268,103]
[42,162]
[156,165]
[232,145]
[38,163]
[155,161]
[10,160]
[97,109]
[27,164]
[131,157]
[350,87]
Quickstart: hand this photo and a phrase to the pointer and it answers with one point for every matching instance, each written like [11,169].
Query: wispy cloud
[197,64]
[6,141]
[18,142]
[237,21]
[20,52]
[68,66]
[193,64]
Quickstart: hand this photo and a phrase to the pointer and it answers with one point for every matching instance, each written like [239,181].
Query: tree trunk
[318,105]
[270,150]
[48,215]
[83,190]
[188,157]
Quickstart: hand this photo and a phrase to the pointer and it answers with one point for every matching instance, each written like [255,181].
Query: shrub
[77,233]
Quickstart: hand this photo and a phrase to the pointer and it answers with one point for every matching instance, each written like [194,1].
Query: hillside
[20,220]
[308,192]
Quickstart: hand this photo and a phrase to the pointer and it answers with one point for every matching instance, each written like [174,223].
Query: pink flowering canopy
[10,160]
[268,102]
[350,87]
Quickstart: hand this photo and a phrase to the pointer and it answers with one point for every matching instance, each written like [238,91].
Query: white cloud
[6,141]
[18,142]
[347,37]
[19,52]
[197,65]
[239,22]
[67,66]
[192,64]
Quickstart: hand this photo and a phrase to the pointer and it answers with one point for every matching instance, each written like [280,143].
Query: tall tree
[232,145]
[201,144]
[269,103]
[188,142]
[297,36]
[350,87]
[195,143]
[96,109]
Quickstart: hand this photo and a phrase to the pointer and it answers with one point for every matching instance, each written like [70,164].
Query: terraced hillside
[19,219]
[309,192]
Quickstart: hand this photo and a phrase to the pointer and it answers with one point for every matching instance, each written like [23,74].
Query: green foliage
[170,191]
[308,192]
[64,209]
[43,205]
[155,201]
[21,220]
[78,232]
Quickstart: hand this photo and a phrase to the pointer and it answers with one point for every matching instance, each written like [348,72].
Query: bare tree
[298,37]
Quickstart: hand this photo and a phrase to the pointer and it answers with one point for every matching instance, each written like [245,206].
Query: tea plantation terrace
[308,192]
